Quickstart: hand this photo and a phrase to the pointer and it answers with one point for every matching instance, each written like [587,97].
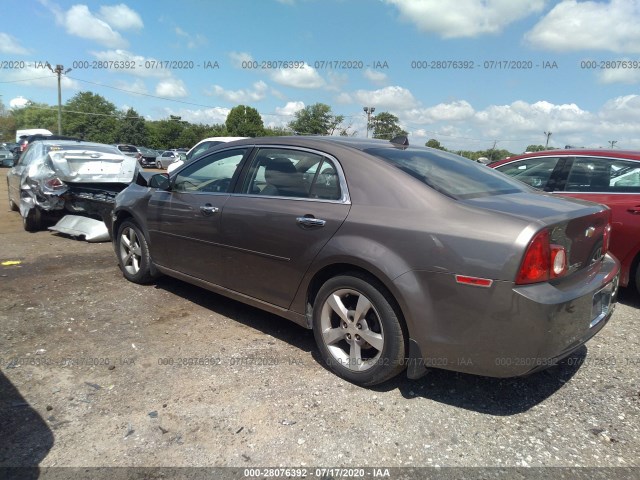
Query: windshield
[450,174]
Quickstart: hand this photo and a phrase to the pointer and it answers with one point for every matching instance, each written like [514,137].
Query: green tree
[316,119]
[433,143]
[385,126]
[35,115]
[277,131]
[131,129]
[244,121]
[91,117]
[535,148]
[165,134]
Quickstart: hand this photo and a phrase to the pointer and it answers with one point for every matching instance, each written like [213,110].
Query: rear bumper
[504,330]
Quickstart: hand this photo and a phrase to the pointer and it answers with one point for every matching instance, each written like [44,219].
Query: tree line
[94,118]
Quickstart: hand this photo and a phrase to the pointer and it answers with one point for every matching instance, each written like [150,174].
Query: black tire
[33,221]
[638,277]
[13,206]
[133,253]
[158,164]
[379,322]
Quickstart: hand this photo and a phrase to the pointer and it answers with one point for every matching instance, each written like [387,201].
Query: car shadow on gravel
[25,437]
[252,317]
[629,296]
[493,396]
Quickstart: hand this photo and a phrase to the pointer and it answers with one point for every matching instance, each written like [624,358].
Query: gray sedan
[395,256]
[167,157]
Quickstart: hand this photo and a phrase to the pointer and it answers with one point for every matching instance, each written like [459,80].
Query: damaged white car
[55,178]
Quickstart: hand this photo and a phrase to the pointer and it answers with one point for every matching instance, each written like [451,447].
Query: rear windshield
[127,148]
[455,176]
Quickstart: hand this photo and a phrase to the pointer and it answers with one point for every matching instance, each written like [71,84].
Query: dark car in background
[610,177]
[147,156]
[395,256]
[6,156]
[58,177]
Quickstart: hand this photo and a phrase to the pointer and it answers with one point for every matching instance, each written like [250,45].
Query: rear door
[276,224]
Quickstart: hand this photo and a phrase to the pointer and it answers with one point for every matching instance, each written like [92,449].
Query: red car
[610,177]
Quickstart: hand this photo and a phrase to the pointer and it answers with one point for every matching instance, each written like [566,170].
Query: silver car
[168,157]
[54,177]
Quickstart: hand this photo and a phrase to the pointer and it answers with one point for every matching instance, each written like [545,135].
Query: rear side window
[450,174]
[127,148]
[592,174]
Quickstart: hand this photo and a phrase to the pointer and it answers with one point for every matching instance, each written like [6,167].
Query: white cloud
[193,41]
[39,77]
[465,18]
[375,76]
[391,98]
[306,77]
[290,108]
[454,111]
[619,75]
[206,115]
[18,102]
[121,17]
[11,46]
[79,21]
[137,86]
[172,88]
[238,58]
[625,108]
[572,25]
[258,93]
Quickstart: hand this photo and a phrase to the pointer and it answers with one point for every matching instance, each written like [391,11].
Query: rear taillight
[542,261]
[54,183]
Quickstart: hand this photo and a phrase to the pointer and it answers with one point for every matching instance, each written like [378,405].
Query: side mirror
[161,181]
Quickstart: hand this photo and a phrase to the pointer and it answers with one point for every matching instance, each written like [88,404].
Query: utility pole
[369,111]
[546,145]
[612,143]
[59,70]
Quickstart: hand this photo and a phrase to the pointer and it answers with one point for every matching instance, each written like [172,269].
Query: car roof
[574,152]
[64,143]
[318,141]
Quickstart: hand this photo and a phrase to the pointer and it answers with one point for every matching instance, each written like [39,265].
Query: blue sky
[508,96]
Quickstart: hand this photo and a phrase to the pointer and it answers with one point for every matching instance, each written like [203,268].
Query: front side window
[292,173]
[593,174]
[211,174]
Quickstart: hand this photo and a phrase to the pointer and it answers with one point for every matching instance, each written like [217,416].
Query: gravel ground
[98,372]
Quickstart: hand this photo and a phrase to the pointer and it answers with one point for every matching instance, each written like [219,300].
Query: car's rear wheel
[358,330]
[133,253]
[32,222]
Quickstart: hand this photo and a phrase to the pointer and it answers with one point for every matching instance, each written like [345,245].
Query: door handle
[634,210]
[208,209]
[310,222]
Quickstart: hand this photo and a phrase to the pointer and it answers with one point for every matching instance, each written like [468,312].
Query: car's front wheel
[158,164]
[358,330]
[133,253]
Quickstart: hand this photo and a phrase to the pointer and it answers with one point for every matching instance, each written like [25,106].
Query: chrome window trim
[606,157]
